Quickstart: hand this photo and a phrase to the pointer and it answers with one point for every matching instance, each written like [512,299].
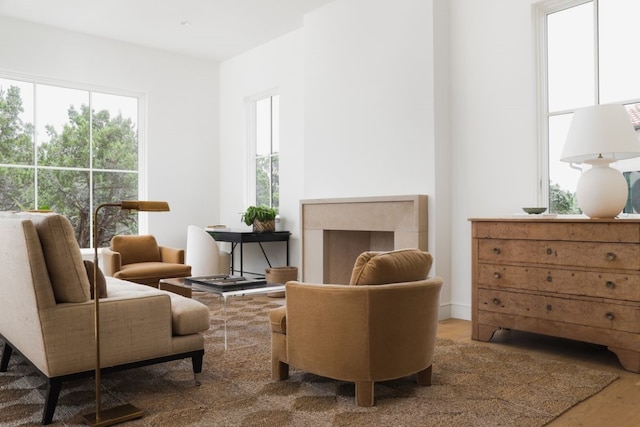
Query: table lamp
[127,411]
[600,135]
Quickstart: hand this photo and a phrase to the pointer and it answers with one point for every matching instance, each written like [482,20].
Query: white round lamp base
[602,192]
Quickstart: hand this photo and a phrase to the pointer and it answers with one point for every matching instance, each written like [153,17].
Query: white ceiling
[211,29]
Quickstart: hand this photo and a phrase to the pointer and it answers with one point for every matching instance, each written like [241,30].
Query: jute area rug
[473,385]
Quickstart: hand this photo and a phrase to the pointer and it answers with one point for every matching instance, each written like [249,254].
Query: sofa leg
[196,362]
[6,355]
[424,377]
[53,391]
[364,393]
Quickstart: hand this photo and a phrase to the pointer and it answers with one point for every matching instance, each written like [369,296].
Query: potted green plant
[262,218]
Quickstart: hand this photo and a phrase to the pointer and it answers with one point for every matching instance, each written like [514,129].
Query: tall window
[588,57]
[67,150]
[267,151]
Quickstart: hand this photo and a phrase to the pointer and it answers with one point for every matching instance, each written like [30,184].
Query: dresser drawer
[623,256]
[601,314]
[572,231]
[562,281]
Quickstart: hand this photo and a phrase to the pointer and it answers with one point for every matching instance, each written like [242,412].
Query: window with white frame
[68,149]
[265,143]
[587,57]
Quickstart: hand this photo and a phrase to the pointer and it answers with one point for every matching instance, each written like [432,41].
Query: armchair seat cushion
[148,272]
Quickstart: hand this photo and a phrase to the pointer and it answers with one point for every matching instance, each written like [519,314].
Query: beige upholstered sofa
[382,328]
[46,313]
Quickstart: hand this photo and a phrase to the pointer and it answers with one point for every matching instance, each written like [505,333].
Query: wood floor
[617,405]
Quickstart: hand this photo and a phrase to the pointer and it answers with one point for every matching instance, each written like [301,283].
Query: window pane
[16,122]
[17,186]
[263,182]
[275,181]
[571,58]
[275,123]
[109,187]
[62,131]
[115,135]
[67,193]
[263,127]
[634,163]
[619,59]
[563,179]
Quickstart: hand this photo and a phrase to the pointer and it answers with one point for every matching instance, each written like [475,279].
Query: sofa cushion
[134,249]
[402,265]
[63,258]
[101,281]
[188,316]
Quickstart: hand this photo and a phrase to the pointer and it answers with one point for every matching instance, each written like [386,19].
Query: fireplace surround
[336,231]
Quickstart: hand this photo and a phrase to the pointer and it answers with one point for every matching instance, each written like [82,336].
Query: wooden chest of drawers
[568,277]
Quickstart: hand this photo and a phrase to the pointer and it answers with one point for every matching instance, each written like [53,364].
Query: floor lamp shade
[600,135]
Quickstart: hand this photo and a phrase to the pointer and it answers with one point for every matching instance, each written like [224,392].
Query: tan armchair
[381,329]
[140,259]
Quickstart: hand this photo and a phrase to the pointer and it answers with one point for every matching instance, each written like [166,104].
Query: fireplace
[336,231]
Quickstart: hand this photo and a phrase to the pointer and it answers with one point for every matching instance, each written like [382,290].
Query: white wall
[182,111]
[434,97]
[493,125]
[275,65]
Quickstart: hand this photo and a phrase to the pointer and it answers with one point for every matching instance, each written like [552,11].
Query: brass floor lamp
[127,411]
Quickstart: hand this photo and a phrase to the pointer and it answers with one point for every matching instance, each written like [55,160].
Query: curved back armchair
[203,254]
[364,333]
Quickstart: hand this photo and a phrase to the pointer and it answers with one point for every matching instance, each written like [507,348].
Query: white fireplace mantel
[336,231]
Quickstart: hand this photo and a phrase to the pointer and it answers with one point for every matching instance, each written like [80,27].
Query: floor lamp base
[112,416]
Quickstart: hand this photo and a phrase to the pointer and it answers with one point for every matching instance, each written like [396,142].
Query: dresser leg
[629,359]
[485,332]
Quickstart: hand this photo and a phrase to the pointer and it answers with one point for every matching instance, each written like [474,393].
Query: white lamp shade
[600,131]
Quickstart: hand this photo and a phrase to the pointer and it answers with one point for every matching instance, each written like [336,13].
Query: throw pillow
[100,282]
[63,257]
[402,265]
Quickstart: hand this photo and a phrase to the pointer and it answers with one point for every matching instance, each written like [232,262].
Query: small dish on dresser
[534,211]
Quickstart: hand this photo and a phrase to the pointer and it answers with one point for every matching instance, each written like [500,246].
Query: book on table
[225,282]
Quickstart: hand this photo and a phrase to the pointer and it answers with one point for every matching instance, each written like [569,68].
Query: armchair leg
[364,393]
[6,355]
[424,377]
[279,370]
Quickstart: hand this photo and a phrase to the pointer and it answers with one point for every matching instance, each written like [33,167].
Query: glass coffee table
[185,286]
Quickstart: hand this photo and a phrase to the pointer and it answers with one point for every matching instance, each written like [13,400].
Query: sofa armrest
[132,328]
[172,255]
[111,262]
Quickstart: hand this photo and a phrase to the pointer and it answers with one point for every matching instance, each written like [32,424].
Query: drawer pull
[496,251]
[610,316]
[549,307]
[496,301]
[611,256]
[497,275]
[611,284]
[549,279]
[549,251]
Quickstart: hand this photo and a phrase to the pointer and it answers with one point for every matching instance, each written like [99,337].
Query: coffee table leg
[224,305]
